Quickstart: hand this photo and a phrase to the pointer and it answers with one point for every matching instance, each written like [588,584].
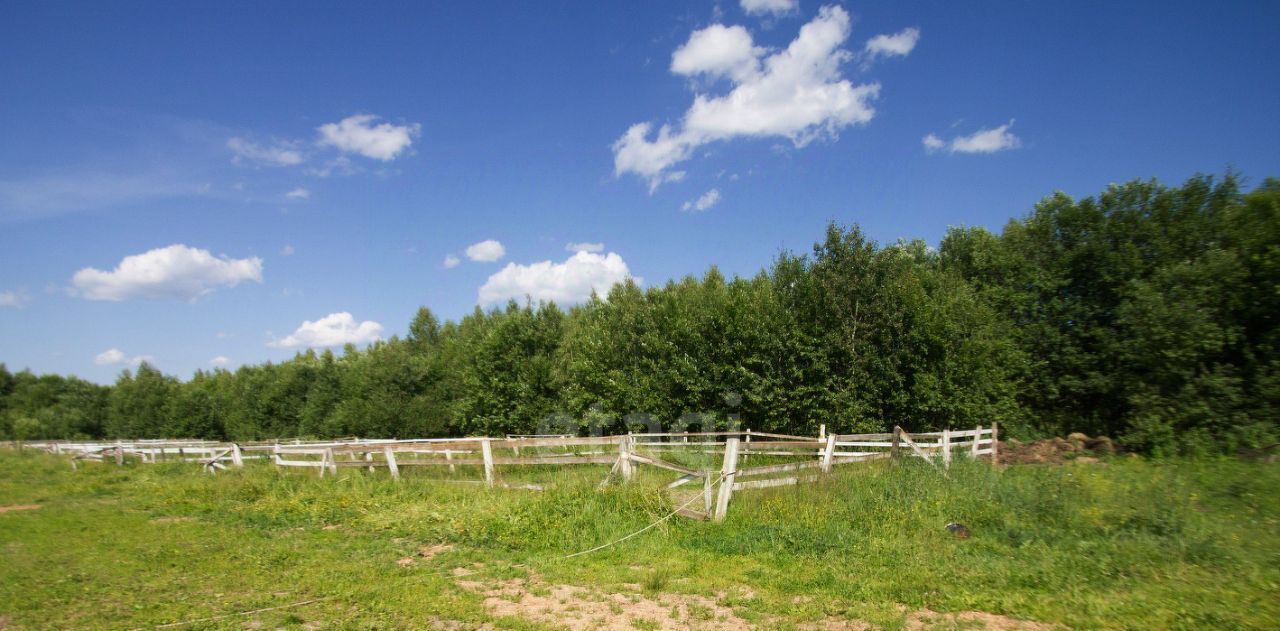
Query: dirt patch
[171,520]
[428,552]
[978,620]
[1075,447]
[589,608]
[18,507]
[582,608]
[925,620]
[425,553]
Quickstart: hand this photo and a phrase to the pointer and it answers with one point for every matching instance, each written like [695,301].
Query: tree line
[1147,313]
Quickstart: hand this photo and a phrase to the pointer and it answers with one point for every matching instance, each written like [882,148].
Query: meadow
[1128,543]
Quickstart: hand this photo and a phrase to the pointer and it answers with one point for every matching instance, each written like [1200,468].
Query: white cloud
[982,141]
[933,143]
[634,153]
[358,134]
[451,261]
[565,283]
[287,250]
[335,329]
[115,356]
[298,193]
[109,356]
[705,202]
[176,271]
[220,361]
[899,44]
[14,299]
[280,154]
[486,251]
[585,246]
[776,7]
[797,93]
[718,51]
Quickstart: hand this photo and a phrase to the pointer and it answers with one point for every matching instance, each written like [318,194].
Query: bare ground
[16,507]
[581,608]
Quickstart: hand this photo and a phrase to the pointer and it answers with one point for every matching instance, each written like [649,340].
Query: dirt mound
[1077,447]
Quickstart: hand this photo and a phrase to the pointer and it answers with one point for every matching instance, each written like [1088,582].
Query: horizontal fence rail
[788,459]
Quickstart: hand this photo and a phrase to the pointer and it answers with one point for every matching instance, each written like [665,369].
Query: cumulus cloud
[704,202]
[177,271]
[796,93]
[115,356]
[451,261]
[775,7]
[585,246]
[565,283]
[486,251]
[718,51]
[279,154]
[982,141]
[14,299]
[359,134]
[220,362]
[298,193]
[335,329]
[899,44]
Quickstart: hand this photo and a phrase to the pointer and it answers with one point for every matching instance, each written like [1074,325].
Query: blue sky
[230,183]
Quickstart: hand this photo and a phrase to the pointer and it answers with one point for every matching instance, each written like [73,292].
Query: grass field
[1126,544]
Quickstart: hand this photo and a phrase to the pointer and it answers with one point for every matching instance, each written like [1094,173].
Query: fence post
[332,462]
[391,463]
[448,456]
[624,458]
[487,451]
[706,495]
[822,431]
[728,471]
[995,443]
[946,448]
[897,441]
[746,449]
[829,453]
[237,458]
[119,453]
[977,434]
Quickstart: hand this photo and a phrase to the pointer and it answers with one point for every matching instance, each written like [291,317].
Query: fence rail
[811,458]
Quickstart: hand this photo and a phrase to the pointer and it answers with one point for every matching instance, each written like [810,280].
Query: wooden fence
[789,459]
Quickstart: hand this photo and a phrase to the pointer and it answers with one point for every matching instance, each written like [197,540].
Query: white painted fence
[812,458]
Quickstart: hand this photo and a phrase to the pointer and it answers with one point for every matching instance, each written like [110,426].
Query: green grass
[1132,544]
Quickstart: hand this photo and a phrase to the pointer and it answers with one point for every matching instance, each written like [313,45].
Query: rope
[617,541]
[242,613]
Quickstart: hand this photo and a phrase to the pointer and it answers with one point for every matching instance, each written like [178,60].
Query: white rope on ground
[241,613]
[668,516]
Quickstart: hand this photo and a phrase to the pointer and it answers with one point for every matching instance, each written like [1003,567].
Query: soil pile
[1056,450]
